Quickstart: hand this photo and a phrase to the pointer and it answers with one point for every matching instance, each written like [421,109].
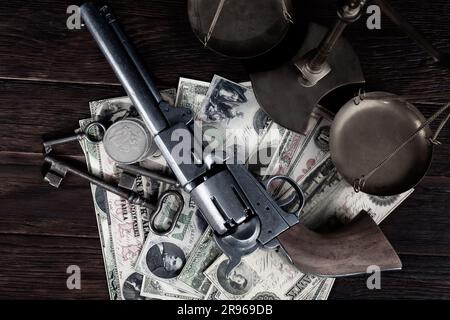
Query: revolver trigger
[273,244]
[287,202]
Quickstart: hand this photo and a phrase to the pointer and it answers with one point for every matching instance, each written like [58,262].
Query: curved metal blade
[348,251]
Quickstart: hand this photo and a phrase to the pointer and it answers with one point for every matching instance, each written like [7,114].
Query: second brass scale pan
[240,29]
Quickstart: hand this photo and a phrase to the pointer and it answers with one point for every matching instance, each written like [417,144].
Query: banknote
[124,236]
[191,93]
[114,109]
[123,227]
[163,257]
[299,153]
[203,255]
[326,193]
[260,160]
[214,294]
[319,186]
[154,289]
[103,221]
[329,196]
[348,203]
[231,118]
[321,291]
[264,274]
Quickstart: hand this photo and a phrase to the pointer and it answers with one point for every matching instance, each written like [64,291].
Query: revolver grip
[348,251]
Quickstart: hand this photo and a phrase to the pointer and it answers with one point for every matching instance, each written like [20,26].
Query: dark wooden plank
[31,206]
[422,277]
[34,267]
[31,110]
[421,225]
[39,45]
[34,158]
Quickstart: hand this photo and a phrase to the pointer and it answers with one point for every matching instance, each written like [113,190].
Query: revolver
[240,210]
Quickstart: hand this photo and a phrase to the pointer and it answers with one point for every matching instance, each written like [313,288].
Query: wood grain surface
[48,74]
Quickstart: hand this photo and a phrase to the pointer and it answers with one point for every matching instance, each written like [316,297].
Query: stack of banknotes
[187,264]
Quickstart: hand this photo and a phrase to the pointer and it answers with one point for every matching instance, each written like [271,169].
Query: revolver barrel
[139,88]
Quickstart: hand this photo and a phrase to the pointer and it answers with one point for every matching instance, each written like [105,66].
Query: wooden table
[48,74]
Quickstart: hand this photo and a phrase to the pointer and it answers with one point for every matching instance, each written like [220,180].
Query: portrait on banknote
[100,199]
[261,120]
[239,281]
[132,287]
[224,101]
[165,260]
[112,110]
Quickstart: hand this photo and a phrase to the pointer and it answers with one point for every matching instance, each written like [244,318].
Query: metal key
[59,169]
[79,135]
[129,173]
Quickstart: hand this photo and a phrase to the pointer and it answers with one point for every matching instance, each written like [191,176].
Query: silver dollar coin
[128,141]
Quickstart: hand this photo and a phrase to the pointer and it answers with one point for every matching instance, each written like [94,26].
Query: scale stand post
[313,66]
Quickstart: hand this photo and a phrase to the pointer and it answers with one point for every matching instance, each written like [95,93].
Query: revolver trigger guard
[297,195]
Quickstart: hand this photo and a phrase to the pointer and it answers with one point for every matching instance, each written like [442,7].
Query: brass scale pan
[240,29]
[382,144]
